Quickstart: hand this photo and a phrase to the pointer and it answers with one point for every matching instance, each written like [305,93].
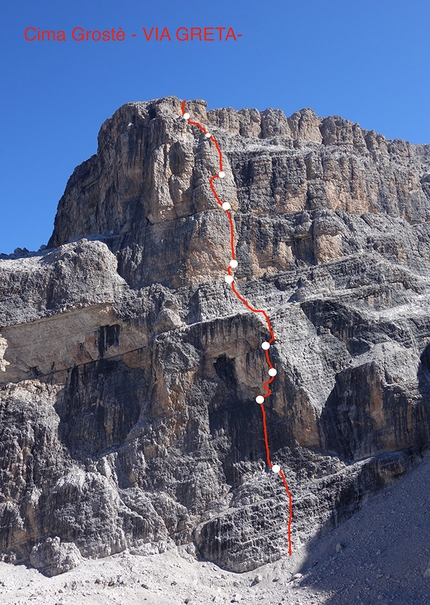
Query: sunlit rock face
[129,371]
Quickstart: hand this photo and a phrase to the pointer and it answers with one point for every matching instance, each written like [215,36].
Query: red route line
[266,317]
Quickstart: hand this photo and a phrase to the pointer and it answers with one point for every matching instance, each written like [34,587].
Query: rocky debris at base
[384,559]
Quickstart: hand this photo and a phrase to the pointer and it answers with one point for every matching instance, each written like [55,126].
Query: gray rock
[128,369]
[53,557]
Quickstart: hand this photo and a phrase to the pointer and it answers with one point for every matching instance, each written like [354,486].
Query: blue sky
[367,61]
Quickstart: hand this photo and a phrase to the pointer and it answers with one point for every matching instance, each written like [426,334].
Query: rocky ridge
[129,370]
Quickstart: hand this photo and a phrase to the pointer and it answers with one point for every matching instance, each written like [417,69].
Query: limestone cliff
[129,370]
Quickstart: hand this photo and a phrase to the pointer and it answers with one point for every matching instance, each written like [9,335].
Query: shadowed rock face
[129,370]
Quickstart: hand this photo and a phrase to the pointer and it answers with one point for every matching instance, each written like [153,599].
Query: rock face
[53,558]
[128,370]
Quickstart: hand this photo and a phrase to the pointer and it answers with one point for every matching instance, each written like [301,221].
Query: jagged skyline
[365,62]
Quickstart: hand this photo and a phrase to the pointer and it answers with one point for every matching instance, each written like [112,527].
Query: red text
[158,36]
[33,34]
[79,34]
[206,34]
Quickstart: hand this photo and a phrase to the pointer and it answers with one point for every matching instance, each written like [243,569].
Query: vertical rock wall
[128,370]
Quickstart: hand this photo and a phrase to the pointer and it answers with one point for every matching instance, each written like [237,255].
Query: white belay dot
[226,206]
[265,346]
[229,279]
[233,264]
[272,372]
[186,116]
[221,174]
[259,399]
[276,468]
